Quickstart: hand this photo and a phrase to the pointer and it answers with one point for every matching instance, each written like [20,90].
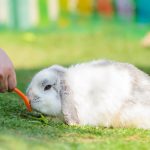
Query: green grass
[31,52]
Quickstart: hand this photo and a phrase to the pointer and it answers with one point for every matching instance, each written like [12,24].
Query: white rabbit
[104,93]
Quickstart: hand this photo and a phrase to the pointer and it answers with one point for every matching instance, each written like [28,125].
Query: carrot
[24,98]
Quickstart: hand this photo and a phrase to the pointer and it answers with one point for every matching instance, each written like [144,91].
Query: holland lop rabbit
[104,93]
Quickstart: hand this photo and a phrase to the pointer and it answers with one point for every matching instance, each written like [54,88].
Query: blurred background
[39,33]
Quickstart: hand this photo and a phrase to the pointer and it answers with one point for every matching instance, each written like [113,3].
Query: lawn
[31,52]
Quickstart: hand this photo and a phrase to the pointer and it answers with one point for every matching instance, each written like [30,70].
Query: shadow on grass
[145,69]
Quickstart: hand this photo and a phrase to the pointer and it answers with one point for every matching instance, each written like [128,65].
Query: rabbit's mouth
[36,99]
[35,103]
[32,97]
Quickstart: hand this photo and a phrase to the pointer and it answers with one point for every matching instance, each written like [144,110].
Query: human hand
[7,73]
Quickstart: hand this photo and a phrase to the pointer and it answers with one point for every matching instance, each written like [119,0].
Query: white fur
[103,93]
[47,102]
[99,92]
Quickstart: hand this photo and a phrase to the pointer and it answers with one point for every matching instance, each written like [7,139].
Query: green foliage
[22,130]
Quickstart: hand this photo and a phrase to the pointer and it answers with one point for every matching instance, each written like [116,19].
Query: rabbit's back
[102,88]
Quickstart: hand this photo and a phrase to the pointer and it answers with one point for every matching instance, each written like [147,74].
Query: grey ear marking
[68,106]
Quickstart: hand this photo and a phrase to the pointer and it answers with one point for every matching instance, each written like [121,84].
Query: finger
[3,83]
[1,78]
[5,87]
[11,81]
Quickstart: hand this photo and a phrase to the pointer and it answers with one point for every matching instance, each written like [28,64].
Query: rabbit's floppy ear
[68,105]
[67,102]
[58,68]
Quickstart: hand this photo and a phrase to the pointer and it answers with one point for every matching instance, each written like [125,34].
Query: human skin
[7,73]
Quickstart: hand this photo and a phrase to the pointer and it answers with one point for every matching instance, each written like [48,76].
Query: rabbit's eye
[47,87]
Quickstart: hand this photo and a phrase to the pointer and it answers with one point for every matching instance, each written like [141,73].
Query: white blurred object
[72,5]
[33,11]
[27,13]
[53,9]
[4,15]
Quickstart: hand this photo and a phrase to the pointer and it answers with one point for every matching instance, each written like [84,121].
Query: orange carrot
[24,98]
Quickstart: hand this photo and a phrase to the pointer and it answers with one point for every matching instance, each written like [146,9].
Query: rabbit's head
[44,91]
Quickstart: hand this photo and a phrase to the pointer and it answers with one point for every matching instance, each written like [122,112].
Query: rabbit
[97,93]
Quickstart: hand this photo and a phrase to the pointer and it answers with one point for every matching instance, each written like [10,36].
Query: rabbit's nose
[30,94]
